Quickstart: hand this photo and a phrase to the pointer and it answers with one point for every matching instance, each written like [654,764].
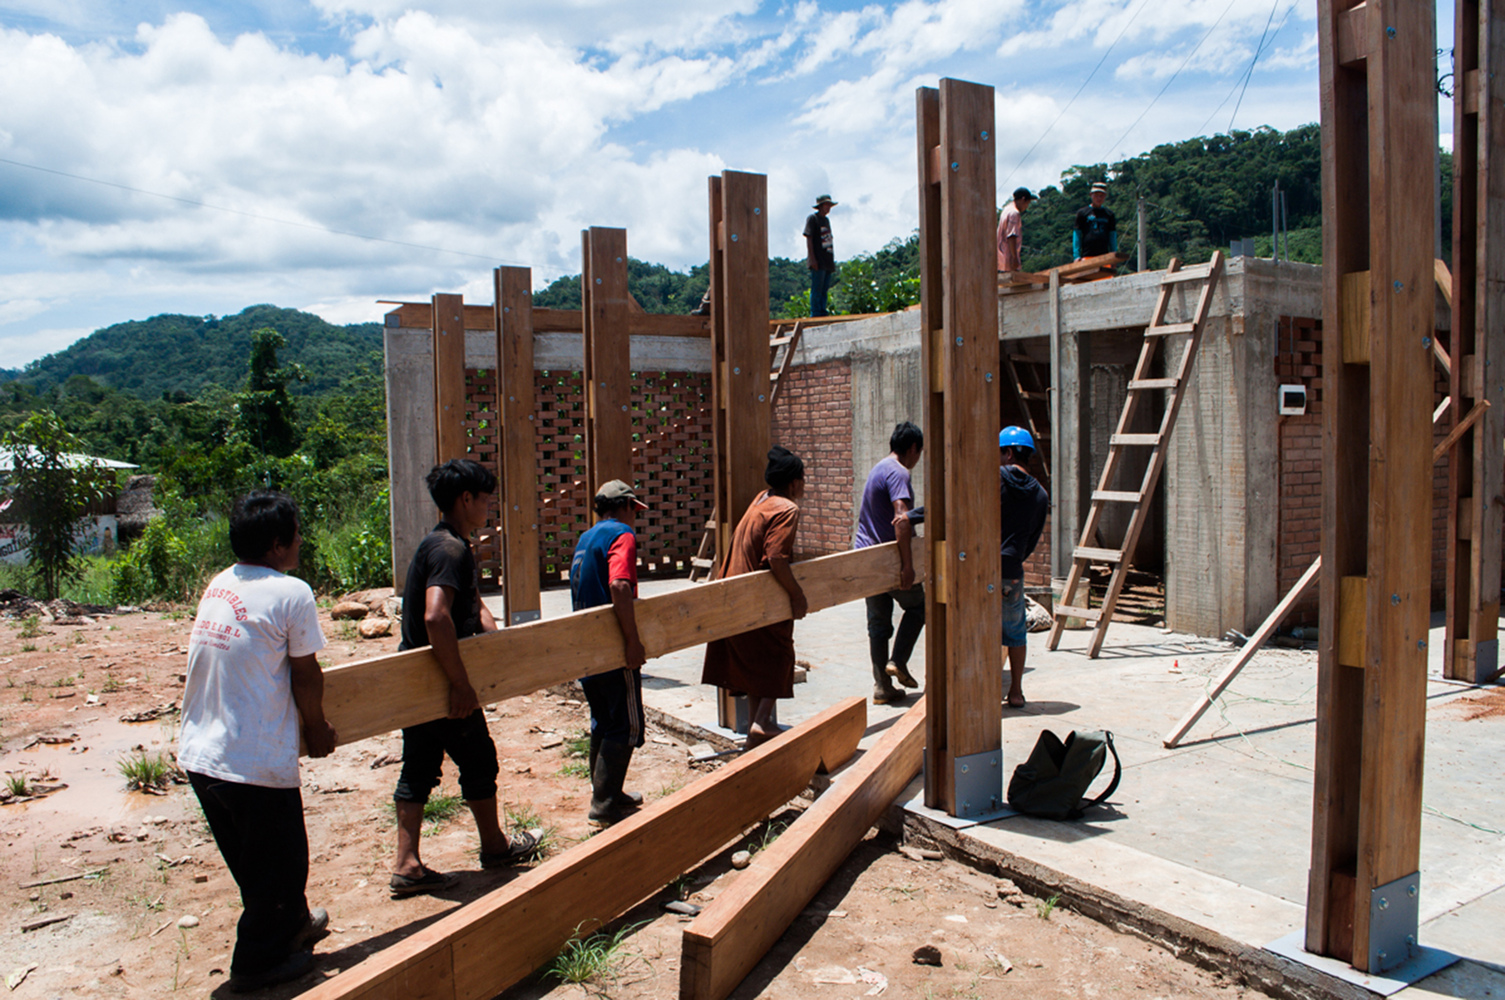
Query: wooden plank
[966,358]
[1345,403]
[1117,496]
[1353,602]
[607,359]
[1354,288]
[451,441]
[1255,644]
[733,933]
[1168,329]
[375,696]
[1352,44]
[1153,383]
[502,937]
[1094,554]
[518,472]
[1377,198]
[1194,273]
[1064,611]
[1135,440]
[419,316]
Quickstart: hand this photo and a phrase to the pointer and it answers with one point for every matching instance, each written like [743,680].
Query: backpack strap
[1112,785]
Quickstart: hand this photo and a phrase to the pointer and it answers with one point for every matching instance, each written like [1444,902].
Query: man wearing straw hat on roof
[820,254]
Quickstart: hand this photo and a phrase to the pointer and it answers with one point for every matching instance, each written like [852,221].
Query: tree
[51,486]
[266,416]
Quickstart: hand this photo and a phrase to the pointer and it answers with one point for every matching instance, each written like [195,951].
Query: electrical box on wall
[1292,400]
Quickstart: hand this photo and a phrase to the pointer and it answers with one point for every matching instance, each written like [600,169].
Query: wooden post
[449,378]
[608,362]
[959,344]
[1377,111]
[1476,470]
[518,459]
[739,355]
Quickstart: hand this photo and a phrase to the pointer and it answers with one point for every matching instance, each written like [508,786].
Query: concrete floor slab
[1215,832]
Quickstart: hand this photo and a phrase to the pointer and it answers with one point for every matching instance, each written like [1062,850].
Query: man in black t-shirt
[820,253]
[1022,508]
[441,604]
[1096,228]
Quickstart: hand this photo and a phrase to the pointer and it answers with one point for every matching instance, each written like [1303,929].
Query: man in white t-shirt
[253,685]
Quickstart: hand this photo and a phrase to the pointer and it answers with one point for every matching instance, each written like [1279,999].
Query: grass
[577,751]
[596,962]
[346,630]
[1044,907]
[442,808]
[525,817]
[31,627]
[26,692]
[143,771]
[16,784]
[28,647]
[111,685]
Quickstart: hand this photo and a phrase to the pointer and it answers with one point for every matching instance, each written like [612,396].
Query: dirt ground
[154,910]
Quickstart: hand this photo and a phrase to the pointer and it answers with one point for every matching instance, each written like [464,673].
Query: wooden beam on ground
[607,369]
[733,933]
[386,693]
[1378,94]
[419,316]
[517,408]
[483,948]
[451,441]
[959,347]
[1476,470]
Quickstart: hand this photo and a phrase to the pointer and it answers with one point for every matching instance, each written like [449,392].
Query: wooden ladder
[786,339]
[1140,384]
[1034,401]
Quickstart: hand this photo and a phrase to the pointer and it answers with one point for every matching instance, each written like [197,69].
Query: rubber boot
[625,800]
[608,804]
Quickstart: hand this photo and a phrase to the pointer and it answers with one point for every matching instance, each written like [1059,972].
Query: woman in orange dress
[760,663]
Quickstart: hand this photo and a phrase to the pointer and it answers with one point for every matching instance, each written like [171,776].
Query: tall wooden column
[739,358]
[518,459]
[608,360]
[449,378]
[959,334]
[1379,302]
[1476,466]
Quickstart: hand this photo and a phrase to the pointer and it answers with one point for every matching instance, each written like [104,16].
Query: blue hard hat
[1015,437]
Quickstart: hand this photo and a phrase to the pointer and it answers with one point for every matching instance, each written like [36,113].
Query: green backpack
[1052,783]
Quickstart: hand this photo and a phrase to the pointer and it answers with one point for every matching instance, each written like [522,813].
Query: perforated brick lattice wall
[671,462]
[481,434]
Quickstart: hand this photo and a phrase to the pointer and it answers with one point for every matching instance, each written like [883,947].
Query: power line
[251,215]
[1244,80]
[1172,80]
[1109,50]
[1258,51]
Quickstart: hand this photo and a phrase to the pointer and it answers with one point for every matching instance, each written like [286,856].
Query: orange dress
[759,663]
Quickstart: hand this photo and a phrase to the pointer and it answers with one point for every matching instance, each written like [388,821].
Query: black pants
[880,625]
[260,833]
[469,744]
[616,701]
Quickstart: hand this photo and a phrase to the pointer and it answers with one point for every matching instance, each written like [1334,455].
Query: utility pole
[1144,256]
[1275,222]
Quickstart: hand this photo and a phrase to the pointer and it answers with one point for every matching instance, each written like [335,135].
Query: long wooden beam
[516,405]
[607,365]
[733,933]
[483,948]
[450,439]
[379,695]
[419,316]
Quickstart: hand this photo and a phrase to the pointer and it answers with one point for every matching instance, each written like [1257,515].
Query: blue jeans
[1015,631]
[820,283]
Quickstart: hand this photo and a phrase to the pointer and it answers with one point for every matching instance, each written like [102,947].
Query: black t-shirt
[1022,507]
[818,242]
[443,559]
[1095,223]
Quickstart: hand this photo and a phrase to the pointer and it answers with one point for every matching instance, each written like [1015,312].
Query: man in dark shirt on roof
[1022,507]
[1096,229]
[820,253]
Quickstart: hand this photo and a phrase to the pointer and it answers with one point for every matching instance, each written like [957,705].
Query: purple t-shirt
[889,481]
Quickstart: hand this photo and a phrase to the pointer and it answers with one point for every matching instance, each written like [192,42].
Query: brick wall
[813,419]
[671,464]
[1298,359]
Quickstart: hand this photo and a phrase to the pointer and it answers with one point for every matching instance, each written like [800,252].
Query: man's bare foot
[757,737]
[1016,699]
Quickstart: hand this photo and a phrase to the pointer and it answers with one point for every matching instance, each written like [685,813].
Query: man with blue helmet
[1023,505]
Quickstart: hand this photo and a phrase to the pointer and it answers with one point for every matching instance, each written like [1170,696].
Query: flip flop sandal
[521,846]
[429,881]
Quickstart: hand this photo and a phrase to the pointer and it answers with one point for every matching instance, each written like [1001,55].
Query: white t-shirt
[239,719]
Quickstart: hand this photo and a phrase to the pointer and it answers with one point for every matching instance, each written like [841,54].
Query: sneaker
[901,673]
[285,971]
[883,696]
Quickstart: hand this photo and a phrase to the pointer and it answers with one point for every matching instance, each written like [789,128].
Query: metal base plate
[917,806]
[1394,916]
[1422,964]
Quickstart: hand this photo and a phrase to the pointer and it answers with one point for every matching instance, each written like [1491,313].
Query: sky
[200,156]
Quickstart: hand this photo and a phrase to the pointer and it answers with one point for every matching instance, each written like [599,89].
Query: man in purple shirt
[885,497]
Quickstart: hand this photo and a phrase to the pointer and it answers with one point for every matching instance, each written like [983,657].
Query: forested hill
[172,353]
